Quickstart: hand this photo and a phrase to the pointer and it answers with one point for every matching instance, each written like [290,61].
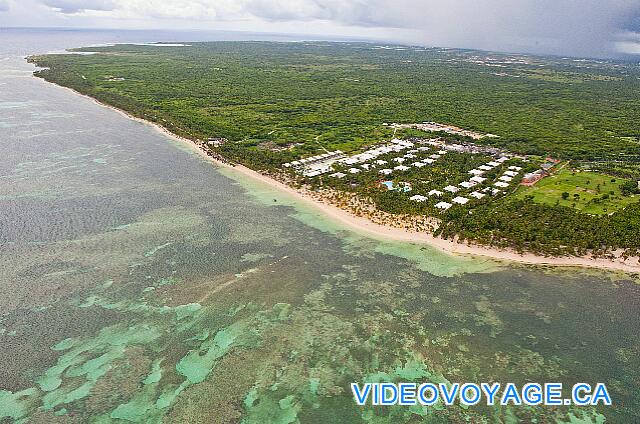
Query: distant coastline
[365,226]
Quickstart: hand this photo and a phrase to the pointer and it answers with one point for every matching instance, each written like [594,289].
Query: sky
[585,28]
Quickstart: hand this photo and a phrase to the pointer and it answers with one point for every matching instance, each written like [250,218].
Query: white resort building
[443,205]
[460,200]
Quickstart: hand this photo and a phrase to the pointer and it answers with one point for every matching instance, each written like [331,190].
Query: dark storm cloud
[565,27]
[76,6]
[633,22]
[579,27]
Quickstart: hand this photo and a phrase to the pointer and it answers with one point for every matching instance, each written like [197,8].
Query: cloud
[77,6]
[4,5]
[196,10]
[633,21]
[349,12]
[628,47]
[565,27]
[579,27]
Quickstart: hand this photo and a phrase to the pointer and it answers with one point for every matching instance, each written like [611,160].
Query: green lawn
[589,192]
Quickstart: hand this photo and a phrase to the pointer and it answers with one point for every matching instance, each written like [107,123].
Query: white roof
[452,189]
[399,160]
[365,166]
[386,171]
[354,170]
[443,205]
[485,168]
[442,152]
[515,168]
[401,168]
[418,198]
[295,162]
[460,200]
[338,175]
[381,162]
[476,172]
[478,179]
[428,161]
[501,184]
[423,148]
[418,164]
[493,163]
[435,193]
[510,173]
[495,191]
[503,159]
[468,184]
[409,156]
[477,195]
[435,156]
[505,178]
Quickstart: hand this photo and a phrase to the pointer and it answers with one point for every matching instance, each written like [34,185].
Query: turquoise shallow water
[142,284]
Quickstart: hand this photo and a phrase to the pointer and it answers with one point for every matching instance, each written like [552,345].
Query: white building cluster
[476,179]
[369,160]
[316,165]
[407,156]
[322,164]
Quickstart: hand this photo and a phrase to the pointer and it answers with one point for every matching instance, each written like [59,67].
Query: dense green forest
[295,92]
[278,102]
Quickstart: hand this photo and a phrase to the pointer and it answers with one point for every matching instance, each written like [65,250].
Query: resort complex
[416,166]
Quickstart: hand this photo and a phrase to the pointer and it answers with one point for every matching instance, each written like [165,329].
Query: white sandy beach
[367,227]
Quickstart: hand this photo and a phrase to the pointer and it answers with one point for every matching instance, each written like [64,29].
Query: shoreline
[371,229]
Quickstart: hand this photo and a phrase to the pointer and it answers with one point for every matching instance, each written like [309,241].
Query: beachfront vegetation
[278,102]
[550,230]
